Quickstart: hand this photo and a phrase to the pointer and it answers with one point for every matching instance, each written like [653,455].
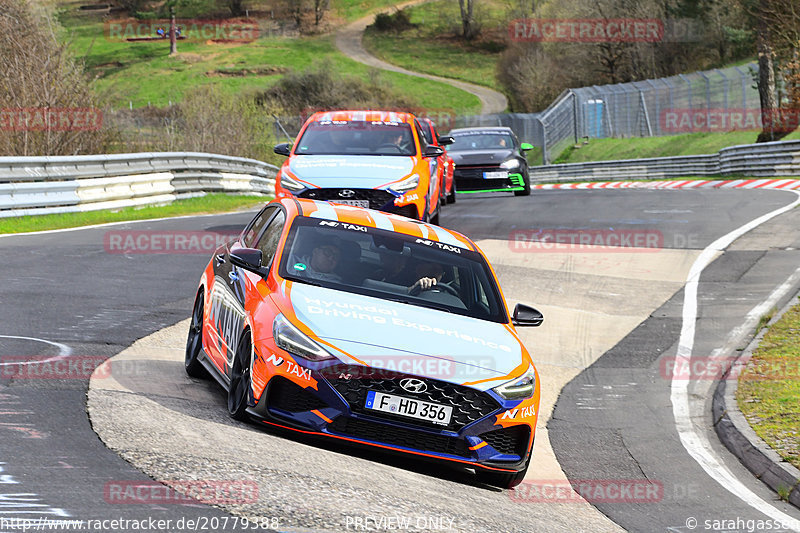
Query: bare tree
[39,78]
[777,25]
[469,27]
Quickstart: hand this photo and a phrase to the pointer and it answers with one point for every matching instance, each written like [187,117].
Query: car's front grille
[468,404]
[407,438]
[473,173]
[378,198]
[471,179]
[511,441]
[287,396]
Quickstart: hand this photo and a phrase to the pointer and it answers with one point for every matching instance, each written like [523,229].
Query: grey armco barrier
[780,158]
[41,185]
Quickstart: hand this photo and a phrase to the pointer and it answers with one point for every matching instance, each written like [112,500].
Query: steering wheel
[447,288]
[389,145]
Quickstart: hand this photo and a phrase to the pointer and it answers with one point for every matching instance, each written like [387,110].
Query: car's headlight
[294,341]
[511,163]
[407,184]
[288,182]
[519,388]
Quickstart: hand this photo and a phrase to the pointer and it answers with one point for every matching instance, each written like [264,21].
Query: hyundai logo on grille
[347,193]
[416,386]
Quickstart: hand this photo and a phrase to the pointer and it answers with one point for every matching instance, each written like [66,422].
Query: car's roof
[380,220]
[479,129]
[364,115]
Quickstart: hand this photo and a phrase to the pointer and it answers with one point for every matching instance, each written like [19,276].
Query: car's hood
[481,157]
[407,338]
[362,171]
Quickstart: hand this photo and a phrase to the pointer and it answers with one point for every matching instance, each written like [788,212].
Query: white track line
[63,350]
[106,224]
[696,444]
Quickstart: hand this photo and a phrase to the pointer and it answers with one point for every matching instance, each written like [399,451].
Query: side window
[255,227]
[268,243]
[423,141]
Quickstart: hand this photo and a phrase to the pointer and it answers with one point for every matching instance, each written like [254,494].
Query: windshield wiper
[307,281]
[420,303]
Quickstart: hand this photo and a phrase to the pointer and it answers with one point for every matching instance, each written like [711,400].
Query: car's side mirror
[433,151]
[445,140]
[283,149]
[525,315]
[525,147]
[248,259]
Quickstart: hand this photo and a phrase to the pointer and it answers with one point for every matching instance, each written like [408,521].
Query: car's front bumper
[471,179]
[335,409]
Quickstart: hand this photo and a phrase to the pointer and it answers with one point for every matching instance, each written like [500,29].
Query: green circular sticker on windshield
[299,266]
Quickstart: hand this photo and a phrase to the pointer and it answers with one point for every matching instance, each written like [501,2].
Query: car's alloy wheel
[434,219]
[194,342]
[451,197]
[239,389]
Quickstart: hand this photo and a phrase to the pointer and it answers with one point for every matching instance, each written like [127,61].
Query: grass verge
[673,145]
[210,203]
[432,46]
[769,387]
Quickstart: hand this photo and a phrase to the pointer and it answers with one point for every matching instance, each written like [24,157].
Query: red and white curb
[785,183]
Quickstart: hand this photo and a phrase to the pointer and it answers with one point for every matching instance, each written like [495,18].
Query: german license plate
[356,203]
[409,407]
[495,175]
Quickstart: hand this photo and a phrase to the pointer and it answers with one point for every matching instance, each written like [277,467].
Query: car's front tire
[503,479]
[194,342]
[527,187]
[239,388]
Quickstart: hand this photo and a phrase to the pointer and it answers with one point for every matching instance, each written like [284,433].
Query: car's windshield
[391,266]
[356,137]
[483,140]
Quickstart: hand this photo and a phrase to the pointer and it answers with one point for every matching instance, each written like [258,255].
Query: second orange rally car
[375,159]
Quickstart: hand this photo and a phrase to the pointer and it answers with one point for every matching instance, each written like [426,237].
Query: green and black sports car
[490,159]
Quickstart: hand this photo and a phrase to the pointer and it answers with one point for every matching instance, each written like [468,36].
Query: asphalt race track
[611,320]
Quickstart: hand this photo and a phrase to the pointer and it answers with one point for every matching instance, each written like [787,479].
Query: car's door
[433,165]
[227,315]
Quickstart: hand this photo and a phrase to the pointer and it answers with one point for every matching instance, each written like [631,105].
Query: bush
[317,88]
[396,22]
